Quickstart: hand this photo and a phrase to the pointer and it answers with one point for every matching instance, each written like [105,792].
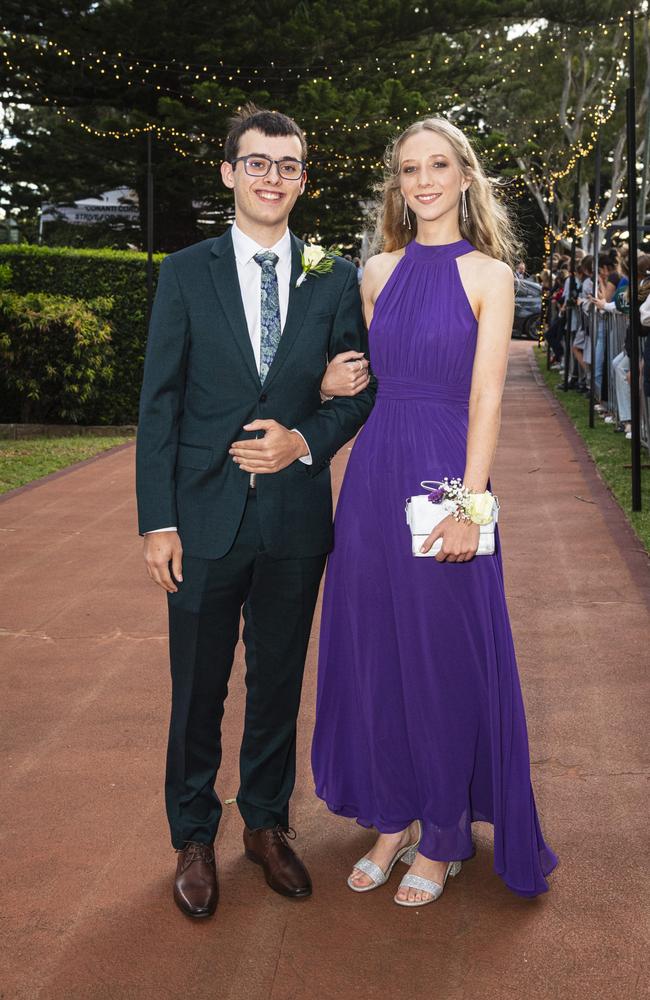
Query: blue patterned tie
[270,322]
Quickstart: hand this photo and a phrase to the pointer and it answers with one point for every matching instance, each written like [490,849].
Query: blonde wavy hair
[489,226]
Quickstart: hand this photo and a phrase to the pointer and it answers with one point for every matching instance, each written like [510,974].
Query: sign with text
[113,206]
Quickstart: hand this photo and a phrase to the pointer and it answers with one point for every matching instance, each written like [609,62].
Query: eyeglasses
[259,166]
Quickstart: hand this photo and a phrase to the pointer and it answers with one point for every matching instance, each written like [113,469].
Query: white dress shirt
[249,274]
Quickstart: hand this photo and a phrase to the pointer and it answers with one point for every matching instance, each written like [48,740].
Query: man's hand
[459,540]
[273,452]
[160,549]
[346,375]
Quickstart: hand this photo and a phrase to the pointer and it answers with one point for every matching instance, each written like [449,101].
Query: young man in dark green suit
[234,495]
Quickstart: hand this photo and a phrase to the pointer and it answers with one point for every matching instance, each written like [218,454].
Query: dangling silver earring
[405,217]
[464,214]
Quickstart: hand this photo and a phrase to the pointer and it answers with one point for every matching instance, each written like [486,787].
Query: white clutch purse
[422,516]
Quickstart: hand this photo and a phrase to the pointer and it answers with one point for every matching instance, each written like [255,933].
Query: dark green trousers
[278,597]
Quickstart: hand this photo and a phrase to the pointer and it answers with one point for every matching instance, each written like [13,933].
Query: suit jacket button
[263,398]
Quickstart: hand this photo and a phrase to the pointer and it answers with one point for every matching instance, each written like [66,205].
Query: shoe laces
[193,851]
[283,834]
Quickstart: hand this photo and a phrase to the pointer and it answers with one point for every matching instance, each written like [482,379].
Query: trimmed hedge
[119,275]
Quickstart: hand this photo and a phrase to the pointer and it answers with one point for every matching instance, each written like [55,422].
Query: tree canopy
[83,83]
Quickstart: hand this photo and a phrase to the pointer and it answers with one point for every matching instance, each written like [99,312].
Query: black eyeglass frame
[270,161]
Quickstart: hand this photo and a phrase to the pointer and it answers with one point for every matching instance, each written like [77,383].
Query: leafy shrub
[5,276]
[55,353]
[88,274]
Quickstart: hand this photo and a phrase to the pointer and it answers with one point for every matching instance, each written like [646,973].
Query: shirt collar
[245,248]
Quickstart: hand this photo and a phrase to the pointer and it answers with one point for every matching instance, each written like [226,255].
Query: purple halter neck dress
[419,707]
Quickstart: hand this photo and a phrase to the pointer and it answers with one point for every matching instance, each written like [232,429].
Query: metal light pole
[149,230]
[593,316]
[634,274]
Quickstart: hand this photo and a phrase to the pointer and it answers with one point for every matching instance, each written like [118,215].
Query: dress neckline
[436,252]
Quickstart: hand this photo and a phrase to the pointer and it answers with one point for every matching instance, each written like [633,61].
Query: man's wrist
[302,449]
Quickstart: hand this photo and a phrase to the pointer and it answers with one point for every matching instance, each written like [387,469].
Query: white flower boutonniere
[316,260]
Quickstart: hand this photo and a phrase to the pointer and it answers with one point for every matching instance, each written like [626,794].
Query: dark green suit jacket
[201,385]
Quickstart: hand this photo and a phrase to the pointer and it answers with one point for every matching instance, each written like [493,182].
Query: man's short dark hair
[267,122]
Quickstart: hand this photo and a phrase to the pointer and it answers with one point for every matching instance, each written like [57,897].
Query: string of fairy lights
[205,79]
[341,161]
[338,161]
[574,227]
[123,63]
[338,123]
[120,65]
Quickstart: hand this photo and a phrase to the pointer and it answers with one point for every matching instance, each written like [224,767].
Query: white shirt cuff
[305,459]
[156,531]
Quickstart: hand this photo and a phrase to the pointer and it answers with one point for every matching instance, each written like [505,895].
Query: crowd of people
[357,263]
[573,294]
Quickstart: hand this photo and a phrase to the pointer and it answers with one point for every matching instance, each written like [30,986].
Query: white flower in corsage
[481,507]
[316,260]
[475,507]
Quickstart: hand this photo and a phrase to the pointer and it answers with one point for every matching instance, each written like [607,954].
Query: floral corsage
[474,507]
[316,260]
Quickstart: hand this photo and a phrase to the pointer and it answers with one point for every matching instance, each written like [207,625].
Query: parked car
[528,308]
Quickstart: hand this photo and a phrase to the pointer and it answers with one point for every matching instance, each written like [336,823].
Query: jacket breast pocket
[193,456]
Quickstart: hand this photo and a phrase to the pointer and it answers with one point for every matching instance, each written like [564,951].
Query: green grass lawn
[25,460]
[611,452]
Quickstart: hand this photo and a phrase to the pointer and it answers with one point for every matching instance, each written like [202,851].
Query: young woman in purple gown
[420,726]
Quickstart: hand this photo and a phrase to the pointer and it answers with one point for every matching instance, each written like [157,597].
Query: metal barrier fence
[612,328]
[607,330]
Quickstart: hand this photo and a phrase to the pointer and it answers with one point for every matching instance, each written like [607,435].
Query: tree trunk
[26,410]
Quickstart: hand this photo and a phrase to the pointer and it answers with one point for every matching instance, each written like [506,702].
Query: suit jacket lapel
[299,299]
[223,269]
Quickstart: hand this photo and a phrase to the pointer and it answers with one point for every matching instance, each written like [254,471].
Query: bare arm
[496,304]
[492,292]
[376,273]
[348,374]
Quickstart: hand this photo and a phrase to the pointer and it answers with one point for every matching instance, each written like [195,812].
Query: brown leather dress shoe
[195,887]
[283,870]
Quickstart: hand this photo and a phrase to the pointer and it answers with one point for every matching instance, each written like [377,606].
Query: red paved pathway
[86,869]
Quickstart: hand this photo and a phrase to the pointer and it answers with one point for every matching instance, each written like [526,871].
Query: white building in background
[120,205]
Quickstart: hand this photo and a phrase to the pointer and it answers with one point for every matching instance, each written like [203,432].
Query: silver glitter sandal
[426,885]
[374,872]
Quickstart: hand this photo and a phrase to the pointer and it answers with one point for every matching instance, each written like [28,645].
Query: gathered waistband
[409,388]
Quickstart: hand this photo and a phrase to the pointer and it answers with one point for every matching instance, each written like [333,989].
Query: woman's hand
[459,540]
[347,375]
